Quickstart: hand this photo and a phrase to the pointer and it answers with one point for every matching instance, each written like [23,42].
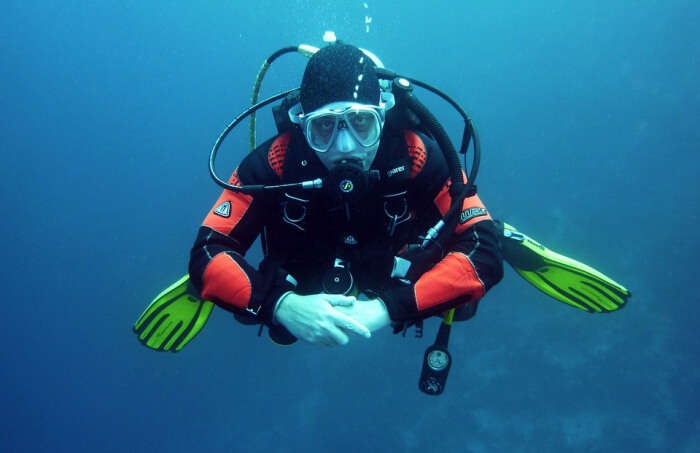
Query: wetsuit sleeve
[218,268]
[470,264]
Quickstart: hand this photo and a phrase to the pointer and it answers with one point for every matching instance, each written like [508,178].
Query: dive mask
[322,126]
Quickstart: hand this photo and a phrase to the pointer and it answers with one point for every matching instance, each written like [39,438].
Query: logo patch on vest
[224,209]
[470,213]
[396,170]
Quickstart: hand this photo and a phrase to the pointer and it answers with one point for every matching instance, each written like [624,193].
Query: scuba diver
[322,248]
[366,217]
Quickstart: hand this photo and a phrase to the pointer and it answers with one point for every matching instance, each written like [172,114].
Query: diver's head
[342,108]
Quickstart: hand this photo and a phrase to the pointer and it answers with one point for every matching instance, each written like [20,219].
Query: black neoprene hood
[339,72]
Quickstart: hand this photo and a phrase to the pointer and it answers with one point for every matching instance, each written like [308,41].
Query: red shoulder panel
[416,151]
[472,204]
[278,150]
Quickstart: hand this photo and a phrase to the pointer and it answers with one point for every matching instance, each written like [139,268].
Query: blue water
[588,113]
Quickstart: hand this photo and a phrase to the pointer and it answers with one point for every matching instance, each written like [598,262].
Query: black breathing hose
[443,140]
[219,141]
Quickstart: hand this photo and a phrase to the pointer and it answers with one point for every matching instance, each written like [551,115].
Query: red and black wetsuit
[304,232]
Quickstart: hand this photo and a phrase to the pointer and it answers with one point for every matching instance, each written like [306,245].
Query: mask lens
[365,124]
[322,127]
[320,131]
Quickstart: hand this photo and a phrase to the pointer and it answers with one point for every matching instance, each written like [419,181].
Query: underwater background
[588,114]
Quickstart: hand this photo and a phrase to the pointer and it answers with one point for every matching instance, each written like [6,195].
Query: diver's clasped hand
[372,313]
[316,319]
